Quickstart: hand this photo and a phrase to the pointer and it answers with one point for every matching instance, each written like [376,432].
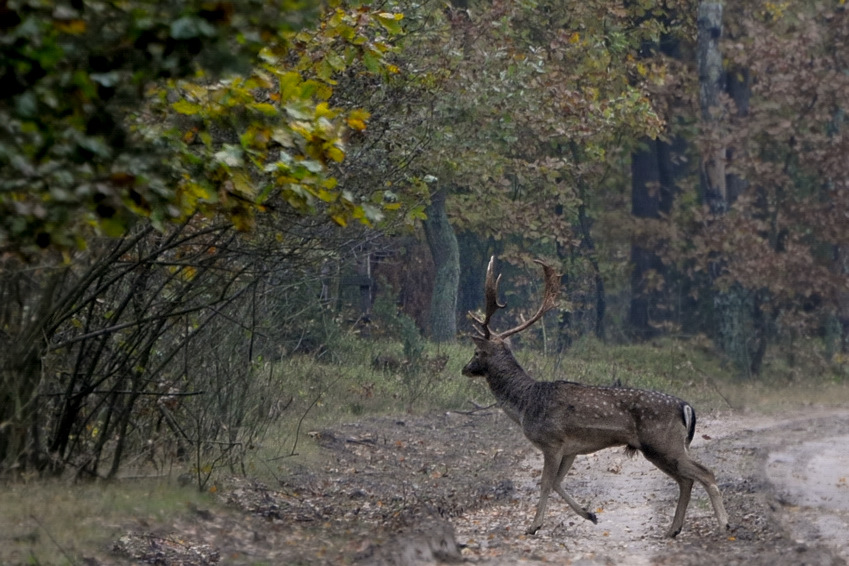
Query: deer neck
[511,385]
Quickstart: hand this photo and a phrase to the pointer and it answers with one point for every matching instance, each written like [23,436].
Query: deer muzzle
[473,368]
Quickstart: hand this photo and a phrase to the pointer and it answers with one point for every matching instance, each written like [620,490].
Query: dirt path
[462,488]
[784,480]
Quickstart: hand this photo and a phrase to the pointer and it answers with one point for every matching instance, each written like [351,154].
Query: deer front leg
[565,465]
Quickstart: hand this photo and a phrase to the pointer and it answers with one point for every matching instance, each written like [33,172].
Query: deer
[564,419]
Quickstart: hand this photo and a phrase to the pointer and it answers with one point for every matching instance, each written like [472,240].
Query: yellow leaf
[258,80]
[289,85]
[325,195]
[323,92]
[335,154]
[73,27]
[197,91]
[323,109]
[357,119]
[265,108]
[243,185]
[575,38]
[185,107]
[356,124]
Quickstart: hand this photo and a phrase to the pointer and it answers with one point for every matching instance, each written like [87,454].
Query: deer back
[589,418]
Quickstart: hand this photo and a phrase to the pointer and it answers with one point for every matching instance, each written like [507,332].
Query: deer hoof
[591,517]
[532,530]
[672,533]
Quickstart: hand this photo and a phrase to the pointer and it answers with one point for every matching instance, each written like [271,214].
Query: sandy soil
[458,488]
[784,480]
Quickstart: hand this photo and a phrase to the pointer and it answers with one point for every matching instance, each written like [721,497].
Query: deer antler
[491,294]
[549,300]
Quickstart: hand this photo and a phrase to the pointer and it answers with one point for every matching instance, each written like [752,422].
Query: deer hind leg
[685,487]
[550,467]
[565,465]
[685,471]
[705,477]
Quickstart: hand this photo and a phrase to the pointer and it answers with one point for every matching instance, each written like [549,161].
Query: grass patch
[50,522]
[372,377]
[690,369]
[303,395]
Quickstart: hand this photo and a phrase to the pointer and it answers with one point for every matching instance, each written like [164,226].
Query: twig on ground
[477,408]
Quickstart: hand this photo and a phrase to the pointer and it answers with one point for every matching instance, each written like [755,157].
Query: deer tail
[689,415]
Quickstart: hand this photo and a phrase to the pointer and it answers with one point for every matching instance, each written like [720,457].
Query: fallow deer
[564,419]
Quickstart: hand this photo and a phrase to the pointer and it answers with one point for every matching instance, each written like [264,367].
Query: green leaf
[371,62]
[290,86]
[186,108]
[391,22]
[264,108]
[113,227]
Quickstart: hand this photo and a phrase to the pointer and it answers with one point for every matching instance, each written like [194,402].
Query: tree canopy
[238,182]
[118,111]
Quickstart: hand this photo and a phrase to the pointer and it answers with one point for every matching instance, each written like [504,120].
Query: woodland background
[210,210]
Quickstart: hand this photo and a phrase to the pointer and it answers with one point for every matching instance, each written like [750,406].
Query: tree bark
[711,85]
[655,170]
[446,257]
[653,186]
[739,325]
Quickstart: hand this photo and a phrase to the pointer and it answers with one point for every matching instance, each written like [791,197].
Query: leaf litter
[455,488]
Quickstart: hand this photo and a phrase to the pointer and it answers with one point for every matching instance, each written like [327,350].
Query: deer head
[490,344]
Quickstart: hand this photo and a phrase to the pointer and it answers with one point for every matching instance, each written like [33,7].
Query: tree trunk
[653,182]
[446,258]
[655,171]
[736,311]
[25,310]
[728,305]
[711,85]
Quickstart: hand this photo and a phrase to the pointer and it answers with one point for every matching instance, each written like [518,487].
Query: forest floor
[461,488]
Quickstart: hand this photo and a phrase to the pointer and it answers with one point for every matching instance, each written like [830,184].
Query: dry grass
[49,522]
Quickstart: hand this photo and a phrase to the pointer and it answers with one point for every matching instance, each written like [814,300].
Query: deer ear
[480,341]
